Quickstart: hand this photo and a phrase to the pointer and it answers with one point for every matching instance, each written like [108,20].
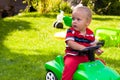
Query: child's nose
[74,21]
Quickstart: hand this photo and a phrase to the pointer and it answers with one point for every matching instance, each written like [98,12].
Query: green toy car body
[92,70]
[95,70]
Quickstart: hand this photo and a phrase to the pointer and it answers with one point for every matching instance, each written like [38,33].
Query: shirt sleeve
[70,35]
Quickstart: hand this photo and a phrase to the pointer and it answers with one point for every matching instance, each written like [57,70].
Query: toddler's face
[79,20]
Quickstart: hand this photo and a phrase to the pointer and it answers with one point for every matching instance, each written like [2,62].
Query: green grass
[27,41]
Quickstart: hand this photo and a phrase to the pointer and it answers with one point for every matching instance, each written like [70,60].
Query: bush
[53,6]
[114,9]
[107,7]
[65,7]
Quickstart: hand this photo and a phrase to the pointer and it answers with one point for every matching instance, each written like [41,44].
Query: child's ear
[88,21]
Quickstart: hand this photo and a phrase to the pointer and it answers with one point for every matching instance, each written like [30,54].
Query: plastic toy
[60,35]
[58,23]
[92,70]
[67,20]
[111,36]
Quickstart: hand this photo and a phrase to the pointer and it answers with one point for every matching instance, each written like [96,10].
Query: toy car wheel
[59,25]
[50,76]
[54,24]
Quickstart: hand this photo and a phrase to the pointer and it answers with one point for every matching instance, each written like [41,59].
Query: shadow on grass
[105,18]
[36,14]
[17,66]
[6,27]
[9,25]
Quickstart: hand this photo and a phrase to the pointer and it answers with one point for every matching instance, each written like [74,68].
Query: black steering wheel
[89,51]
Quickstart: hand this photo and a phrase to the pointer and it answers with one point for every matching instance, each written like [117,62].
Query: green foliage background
[106,7]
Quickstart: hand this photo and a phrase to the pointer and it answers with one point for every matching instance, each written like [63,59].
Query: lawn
[27,41]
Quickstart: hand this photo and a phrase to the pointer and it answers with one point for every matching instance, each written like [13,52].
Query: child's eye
[73,18]
[78,19]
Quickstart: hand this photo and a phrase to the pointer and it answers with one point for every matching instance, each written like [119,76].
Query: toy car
[58,23]
[92,70]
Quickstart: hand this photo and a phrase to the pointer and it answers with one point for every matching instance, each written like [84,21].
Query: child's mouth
[74,26]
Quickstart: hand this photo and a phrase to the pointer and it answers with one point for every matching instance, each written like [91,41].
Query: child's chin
[76,28]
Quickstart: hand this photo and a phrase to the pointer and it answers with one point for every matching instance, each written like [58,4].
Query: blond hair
[86,9]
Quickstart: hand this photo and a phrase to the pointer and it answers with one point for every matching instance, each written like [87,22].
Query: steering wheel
[89,51]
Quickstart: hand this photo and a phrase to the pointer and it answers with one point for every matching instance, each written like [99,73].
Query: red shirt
[76,36]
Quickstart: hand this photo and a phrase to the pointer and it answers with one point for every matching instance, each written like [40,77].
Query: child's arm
[98,51]
[72,44]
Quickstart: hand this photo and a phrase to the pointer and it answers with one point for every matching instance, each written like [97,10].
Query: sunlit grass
[27,41]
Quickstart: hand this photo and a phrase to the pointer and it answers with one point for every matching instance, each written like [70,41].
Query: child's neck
[83,32]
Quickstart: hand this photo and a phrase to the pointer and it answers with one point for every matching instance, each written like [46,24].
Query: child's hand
[98,52]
